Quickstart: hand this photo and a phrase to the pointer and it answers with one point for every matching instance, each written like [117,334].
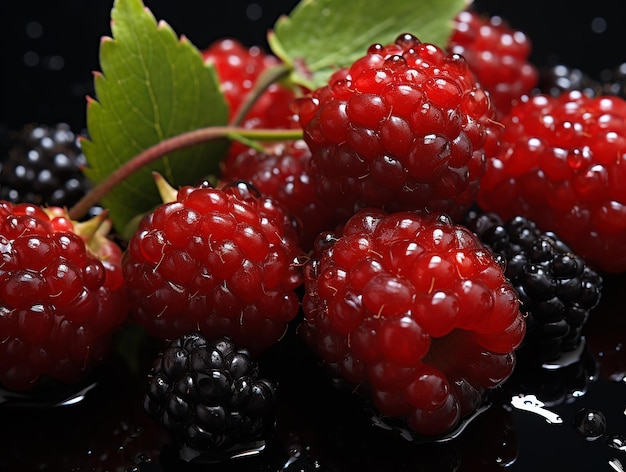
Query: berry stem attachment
[175,143]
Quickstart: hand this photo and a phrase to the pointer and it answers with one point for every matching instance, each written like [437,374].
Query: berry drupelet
[208,394]
[416,312]
[498,54]
[562,163]
[224,261]
[404,127]
[44,166]
[61,295]
[556,288]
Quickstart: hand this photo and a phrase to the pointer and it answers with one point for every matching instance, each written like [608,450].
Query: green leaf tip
[153,85]
[320,36]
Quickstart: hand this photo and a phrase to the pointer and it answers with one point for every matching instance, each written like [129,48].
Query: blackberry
[556,288]
[44,166]
[208,394]
[560,78]
[614,81]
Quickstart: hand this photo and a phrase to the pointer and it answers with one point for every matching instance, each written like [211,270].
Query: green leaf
[319,36]
[153,85]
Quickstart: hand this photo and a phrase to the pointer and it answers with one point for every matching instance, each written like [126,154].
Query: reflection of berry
[44,166]
[281,172]
[403,128]
[498,55]
[562,163]
[415,309]
[554,386]
[557,290]
[61,294]
[218,260]
[208,394]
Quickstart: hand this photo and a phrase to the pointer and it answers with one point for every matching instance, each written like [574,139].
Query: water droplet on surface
[616,465]
[532,404]
[590,423]
[617,442]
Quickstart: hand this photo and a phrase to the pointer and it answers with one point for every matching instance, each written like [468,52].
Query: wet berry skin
[61,295]
[44,165]
[403,128]
[281,172]
[208,394]
[416,312]
[562,163]
[498,54]
[223,261]
[238,68]
[557,290]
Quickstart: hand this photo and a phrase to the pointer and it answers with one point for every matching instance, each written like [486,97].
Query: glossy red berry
[498,54]
[238,68]
[416,312]
[222,261]
[61,295]
[403,128]
[281,172]
[562,163]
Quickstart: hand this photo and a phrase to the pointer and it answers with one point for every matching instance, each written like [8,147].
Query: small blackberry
[555,80]
[208,395]
[44,166]
[556,289]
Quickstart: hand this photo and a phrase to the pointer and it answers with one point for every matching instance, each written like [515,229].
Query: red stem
[176,143]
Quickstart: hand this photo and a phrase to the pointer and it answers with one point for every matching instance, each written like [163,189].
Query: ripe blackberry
[416,312]
[403,128]
[556,288]
[497,53]
[558,79]
[208,394]
[562,163]
[223,261]
[44,166]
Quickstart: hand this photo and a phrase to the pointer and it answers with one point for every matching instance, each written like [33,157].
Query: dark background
[49,49]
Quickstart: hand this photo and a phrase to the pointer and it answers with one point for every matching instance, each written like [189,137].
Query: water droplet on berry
[590,423]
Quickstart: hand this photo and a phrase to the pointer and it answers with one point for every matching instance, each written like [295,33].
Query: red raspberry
[562,163]
[498,55]
[281,172]
[402,128]
[61,295]
[415,311]
[220,261]
[238,68]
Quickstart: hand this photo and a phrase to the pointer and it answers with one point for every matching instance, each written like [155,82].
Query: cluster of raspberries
[437,215]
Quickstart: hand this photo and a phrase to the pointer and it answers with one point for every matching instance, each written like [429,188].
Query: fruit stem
[162,148]
[268,77]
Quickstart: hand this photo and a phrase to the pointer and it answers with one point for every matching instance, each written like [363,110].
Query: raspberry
[208,394]
[402,128]
[416,312]
[281,173]
[219,260]
[557,290]
[61,295]
[44,166]
[238,68]
[562,163]
[497,53]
